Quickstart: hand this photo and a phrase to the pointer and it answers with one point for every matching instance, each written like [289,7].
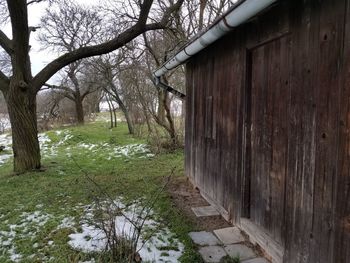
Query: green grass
[63,189]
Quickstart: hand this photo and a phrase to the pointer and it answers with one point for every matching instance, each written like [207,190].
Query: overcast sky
[40,57]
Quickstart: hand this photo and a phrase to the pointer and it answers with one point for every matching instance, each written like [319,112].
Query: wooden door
[268,135]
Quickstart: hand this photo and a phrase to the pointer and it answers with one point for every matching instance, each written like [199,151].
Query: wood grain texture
[286,72]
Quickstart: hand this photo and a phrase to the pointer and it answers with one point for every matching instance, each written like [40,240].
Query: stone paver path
[205,211]
[229,235]
[204,238]
[213,246]
[212,253]
[242,251]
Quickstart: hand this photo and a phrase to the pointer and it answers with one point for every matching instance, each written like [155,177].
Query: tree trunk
[110,110]
[115,116]
[164,118]
[22,112]
[202,6]
[79,110]
[126,114]
[171,130]
[161,108]
[97,107]
[122,106]
[128,121]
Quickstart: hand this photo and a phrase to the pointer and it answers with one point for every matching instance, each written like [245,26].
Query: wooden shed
[268,128]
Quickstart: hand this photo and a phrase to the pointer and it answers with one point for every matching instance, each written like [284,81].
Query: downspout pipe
[237,16]
[162,85]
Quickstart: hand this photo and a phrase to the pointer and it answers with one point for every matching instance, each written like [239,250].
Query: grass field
[40,211]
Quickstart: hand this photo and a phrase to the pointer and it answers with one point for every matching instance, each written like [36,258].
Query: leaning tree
[21,87]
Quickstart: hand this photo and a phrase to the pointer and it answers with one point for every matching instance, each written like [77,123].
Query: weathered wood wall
[314,117]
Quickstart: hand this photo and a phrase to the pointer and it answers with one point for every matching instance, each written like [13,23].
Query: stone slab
[256,260]
[204,238]
[212,254]
[229,235]
[205,211]
[242,251]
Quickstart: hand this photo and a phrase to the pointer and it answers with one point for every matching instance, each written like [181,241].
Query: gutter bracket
[158,83]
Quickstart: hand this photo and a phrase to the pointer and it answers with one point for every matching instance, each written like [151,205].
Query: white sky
[39,58]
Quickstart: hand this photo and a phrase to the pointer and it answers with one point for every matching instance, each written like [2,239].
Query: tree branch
[66,90]
[125,37]
[34,1]
[151,50]
[64,60]
[171,10]
[6,43]
[89,91]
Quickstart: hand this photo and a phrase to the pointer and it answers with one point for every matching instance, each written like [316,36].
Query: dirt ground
[185,196]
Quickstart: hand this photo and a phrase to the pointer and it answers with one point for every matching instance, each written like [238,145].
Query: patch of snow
[67,136]
[67,222]
[37,217]
[30,224]
[14,256]
[43,138]
[89,261]
[6,141]
[130,150]
[5,123]
[49,149]
[87,146]
[93,239]
[52,150]
[4,158]
[90,239]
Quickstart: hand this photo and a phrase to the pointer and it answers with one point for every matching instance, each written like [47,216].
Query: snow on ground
[4,158]
[131,150]
[67,222]
[50,149]
[44,141]
[105,118]
[162,246]
[4,123]
[67,136]
[30,224]
[114,151]
[6,141]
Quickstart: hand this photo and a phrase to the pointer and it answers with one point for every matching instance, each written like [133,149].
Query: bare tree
[21,87]
[67,29]
[198,14]
[109,68]
[76,88]
[112,109]
[48,106]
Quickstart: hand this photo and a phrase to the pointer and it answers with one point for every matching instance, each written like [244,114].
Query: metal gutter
[239,14]
[166,87]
